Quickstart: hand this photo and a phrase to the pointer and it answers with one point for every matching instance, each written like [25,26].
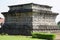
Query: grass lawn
[17,37]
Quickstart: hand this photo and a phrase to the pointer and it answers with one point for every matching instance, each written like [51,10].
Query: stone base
[46,30]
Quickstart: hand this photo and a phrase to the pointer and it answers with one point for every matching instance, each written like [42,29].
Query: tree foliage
[58,24]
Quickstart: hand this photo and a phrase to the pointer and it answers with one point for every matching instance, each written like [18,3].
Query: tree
[58,24]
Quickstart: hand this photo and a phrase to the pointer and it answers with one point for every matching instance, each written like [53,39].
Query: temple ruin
[31,17]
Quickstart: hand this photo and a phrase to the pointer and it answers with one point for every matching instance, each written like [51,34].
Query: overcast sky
[54,3]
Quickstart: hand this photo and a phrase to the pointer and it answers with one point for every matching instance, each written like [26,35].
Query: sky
[54,3]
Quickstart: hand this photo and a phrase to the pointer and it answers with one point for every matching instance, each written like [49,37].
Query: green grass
[17,37]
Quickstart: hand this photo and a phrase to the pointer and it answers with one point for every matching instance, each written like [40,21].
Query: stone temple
[31,17]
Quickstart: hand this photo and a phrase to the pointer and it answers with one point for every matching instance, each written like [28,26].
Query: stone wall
[21,7]
[18,23]
[35,7]
[44,21]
